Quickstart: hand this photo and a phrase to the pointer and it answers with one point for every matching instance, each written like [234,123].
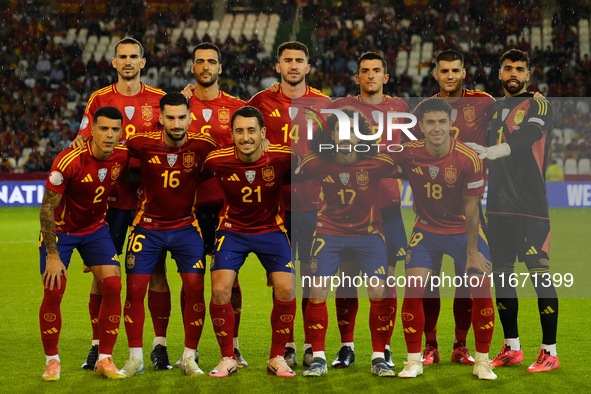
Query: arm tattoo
[50,202]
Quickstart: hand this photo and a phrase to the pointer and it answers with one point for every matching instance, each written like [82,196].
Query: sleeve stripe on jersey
[121,146]
[155,90]
[67,159]
[542,107]
[385,158]
[96,94]
[202,137]
[308,158]
[216,154]
[472,155]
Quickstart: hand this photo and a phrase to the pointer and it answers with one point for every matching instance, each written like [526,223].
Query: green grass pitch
[23,360]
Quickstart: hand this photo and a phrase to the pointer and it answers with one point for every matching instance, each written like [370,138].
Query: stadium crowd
[45,85]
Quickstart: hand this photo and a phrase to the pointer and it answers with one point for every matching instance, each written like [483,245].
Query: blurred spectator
[554,173]
[5,165]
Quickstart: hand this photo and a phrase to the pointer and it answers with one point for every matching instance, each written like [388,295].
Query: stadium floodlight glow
[345,124]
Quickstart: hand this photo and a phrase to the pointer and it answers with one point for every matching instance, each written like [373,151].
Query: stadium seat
[359,24]
[559,135]
[86,56]
[570,166]
[248,33]
[465,47]
[223,34]
[12,161]
[275,17]
[89,49]
[104,40]
[251,17]
[559,162]
[199,33]
[57,40]
[235,34]
[188,33]
[202,25]
[214,25]
[239,18]
[92,40]
[568,135]
[83,32]
[584,167]
[43,142]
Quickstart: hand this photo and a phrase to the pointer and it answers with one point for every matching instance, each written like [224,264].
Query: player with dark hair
[470,109]
[139,104]
[252,220]
[73,216]
[170,160]
[446,178]
[347,228]
[372,74]
[286,111]
[518,217]
[211,111]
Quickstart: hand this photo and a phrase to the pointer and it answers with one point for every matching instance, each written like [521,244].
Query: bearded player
[285,114]
[73,216]
[139,104]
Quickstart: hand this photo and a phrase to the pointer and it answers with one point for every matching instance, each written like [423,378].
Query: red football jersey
[389,192]
[169,178]
[141,111]
[469,116]
[252,190]
[213,117]
[350,193]
[286,123]
[439,184]
[84,183]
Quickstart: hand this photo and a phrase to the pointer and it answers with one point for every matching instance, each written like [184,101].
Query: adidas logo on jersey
[87,178]
[328,179]
[234,177]
[418,170]
[154,160]
[275,114]
[531,251]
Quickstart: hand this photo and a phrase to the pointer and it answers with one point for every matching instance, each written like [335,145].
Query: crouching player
[348,228]
[252,220]
[73,216]
[446,178]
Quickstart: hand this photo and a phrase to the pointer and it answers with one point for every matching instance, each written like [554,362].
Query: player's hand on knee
[54,269]
[188,91]
[479,263]
[79,141]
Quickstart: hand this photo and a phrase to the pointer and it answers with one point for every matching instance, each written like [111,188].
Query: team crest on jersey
[519,116]
[344,177]
[376,115]
[362,178]
[84,123]
[129,111]
[433,171]
[189,159]
[469,113]
[293,112]
[224,115]
[102,173]
[268,173]
[115,171]
[250,175]
[313,265]
[130,262]
[147,113]
[171,157]
[454,115]
[207,114]
[451,175]
[504,113]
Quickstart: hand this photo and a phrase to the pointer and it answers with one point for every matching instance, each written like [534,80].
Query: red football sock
[462,314]
[282,318]
[317,320]
[110,313]
[431,308]
[380,323]
[222,317]
[50,317]
[346,314]
[393,299]
[134,313]
[183,303]
[194,316]
[159,306]
[483,316]
[413,317]
[305,318]
[94,306]
[236,301]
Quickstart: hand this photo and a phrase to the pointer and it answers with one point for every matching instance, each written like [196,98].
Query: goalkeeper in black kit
[518,219]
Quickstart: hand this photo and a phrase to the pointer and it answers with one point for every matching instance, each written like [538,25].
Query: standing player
[139,104]
[446,178]
[348,227]
[284,112]
[519,222]
[211,111]
[166,221]
[252,220]
[372,74]
[73,216]
[470,109]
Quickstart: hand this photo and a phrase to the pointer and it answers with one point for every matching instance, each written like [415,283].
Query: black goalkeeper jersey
[516,183]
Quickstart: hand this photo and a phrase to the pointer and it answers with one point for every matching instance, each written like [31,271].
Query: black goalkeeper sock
[507,305]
